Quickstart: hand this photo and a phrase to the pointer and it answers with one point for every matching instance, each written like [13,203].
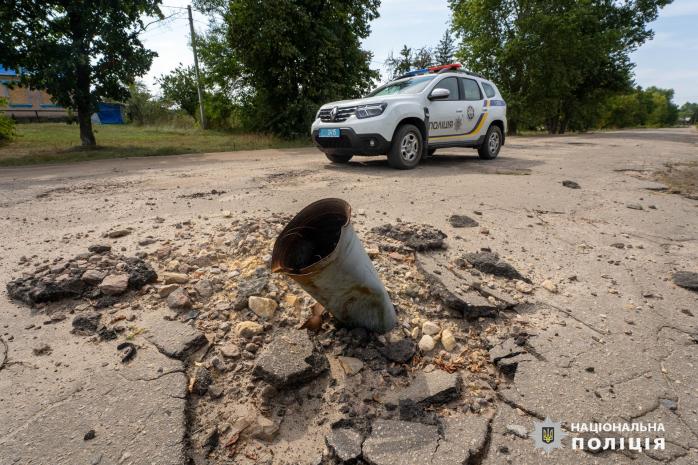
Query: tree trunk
[82,98]
[87,137]
[82,101]
[513,127]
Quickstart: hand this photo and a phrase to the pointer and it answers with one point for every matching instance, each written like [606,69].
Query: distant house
[24,103]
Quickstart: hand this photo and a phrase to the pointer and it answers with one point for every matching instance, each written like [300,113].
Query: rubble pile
[260,387]
[97,275]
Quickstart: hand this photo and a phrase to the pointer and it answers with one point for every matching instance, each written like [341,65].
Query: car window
[451,84]
[412,85]
[489,90]
[471,89]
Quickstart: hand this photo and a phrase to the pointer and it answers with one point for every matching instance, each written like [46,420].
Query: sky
[669,60]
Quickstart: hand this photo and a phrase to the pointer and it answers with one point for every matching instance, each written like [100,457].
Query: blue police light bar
[416,72]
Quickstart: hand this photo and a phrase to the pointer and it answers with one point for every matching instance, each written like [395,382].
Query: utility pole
[196,68]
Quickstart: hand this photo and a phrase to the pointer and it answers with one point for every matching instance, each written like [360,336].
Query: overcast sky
[669,60]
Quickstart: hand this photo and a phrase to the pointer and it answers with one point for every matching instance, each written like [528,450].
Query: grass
[37,143]
[680,178]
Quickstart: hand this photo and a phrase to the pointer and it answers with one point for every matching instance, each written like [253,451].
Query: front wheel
[492,144]
[338,158]
[406,148]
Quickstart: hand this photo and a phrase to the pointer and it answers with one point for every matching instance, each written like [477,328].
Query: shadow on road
[649,135]
[442,164]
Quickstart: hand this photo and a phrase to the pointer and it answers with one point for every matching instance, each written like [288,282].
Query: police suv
[414,115]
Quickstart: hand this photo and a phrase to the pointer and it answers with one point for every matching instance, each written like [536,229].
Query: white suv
[413,116]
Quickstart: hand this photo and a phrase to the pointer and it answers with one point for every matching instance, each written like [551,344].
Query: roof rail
[449,68]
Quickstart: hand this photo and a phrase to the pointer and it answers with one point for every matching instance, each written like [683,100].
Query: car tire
[492,144]
[338,158]
[406,148]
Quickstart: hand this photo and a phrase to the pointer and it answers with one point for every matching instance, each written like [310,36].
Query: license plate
[329,132]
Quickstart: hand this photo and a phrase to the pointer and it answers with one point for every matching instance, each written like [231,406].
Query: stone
[230,351]
[139,273]
[571,184]
[93,277]
[489,262]
[523,287]
[430,328]
[248,288]
[171,338]
[263,428]
[433,388]
[42,349]
[114,284]
[174,278]
[420,237]
[448,340]
[86,324]
[201,381]
[344,443]
[400,351]
[118,233]
[289,360]
[204,288]
[686,279]
[400,442]
[426,343]
[517,430]
[549,286]
[99,248]
[462,221]
[167,289]
[262,306]
[634,206]
[248,329]
[350,365]
[179,300]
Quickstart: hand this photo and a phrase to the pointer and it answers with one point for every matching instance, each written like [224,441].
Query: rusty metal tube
[320,250]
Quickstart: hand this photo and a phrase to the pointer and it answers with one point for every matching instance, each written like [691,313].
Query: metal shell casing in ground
[341,276]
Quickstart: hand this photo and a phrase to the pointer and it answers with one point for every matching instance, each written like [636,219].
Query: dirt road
[612,339]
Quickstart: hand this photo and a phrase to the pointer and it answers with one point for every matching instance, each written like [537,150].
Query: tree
[651,107]
[422,58]
[297,55]
[401,64]
[444,51]
[79,51]
[179,87]
[553,61]
[688,113]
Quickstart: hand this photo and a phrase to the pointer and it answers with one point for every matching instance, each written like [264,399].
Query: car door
[474,116]
[443,113]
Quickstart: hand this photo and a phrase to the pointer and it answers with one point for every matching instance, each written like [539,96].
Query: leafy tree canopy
[297,55]
[81,52]
[553,61]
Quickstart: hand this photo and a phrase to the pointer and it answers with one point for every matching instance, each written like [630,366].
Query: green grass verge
[37,143]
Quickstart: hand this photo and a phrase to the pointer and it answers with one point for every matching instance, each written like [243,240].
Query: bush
[7,124]
[143,109]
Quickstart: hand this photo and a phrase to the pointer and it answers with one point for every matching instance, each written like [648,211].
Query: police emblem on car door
[475,110]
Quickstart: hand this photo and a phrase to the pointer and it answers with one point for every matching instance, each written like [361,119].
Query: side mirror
[439,94]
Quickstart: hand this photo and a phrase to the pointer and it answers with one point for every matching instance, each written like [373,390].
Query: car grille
[342,114]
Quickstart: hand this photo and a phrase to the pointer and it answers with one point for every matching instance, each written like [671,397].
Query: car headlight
[371,110]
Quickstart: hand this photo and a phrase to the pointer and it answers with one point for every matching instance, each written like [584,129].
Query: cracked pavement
[616,342]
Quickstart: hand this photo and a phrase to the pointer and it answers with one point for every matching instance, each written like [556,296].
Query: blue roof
[7,72]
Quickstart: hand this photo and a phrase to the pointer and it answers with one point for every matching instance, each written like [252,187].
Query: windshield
[412,85]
